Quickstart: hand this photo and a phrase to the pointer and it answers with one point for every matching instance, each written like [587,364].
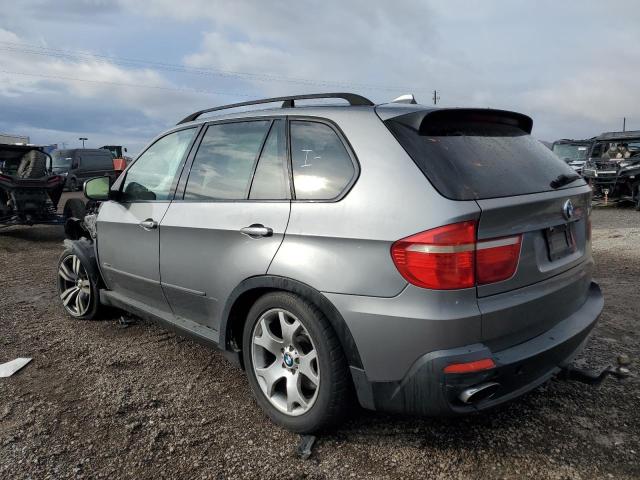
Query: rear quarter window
[468,158]
[322,167]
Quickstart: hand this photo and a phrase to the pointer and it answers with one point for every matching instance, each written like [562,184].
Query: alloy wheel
[285,362]
[75,286]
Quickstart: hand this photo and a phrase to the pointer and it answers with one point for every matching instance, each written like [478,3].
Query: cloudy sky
[121,71]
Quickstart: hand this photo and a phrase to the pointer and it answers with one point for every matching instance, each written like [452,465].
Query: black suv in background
[81,164]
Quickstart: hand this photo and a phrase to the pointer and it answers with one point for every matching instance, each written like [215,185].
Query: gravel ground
[103,401]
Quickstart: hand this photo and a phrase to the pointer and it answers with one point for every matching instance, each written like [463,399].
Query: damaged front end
[85,227]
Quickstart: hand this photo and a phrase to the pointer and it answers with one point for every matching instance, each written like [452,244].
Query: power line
[84,57]
[122,84]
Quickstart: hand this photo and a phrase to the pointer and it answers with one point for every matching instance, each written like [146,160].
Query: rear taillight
[440,259]
[449,257]
[497,259]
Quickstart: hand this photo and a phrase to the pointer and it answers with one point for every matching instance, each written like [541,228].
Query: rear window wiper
[563,179]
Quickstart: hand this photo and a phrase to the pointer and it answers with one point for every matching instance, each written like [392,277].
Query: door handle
[257,230]
[149,224]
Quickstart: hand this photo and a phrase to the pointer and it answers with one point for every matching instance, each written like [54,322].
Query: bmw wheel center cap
[288,360]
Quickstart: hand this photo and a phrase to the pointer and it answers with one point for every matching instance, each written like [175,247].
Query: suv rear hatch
[523,190]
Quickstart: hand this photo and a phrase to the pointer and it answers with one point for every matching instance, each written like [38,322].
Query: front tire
[295,363]
[77,289]
[74,208]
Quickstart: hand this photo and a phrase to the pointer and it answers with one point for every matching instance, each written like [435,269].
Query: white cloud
[86,78]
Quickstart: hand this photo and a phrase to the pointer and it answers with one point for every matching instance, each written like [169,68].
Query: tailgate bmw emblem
[567,210]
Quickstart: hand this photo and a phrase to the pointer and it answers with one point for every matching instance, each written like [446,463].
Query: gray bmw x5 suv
[426,261]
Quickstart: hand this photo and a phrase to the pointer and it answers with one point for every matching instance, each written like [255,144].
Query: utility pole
[436,97]
[624,124]
[83,139]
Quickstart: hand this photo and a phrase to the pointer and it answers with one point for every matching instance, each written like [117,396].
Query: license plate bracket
[561,241]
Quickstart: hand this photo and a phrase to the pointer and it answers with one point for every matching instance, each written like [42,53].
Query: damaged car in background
[30,190]
[613,167]
[573,152]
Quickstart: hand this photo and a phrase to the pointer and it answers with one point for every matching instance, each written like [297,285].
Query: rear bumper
[426,390]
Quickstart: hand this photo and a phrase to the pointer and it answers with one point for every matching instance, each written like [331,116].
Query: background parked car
[81,164]
[573,152]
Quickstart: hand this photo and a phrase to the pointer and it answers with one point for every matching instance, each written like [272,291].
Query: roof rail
[287,102]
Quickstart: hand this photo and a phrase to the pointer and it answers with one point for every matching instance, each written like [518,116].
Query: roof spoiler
[418,120]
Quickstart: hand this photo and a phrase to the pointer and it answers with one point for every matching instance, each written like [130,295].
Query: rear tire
[304,384]
[77,289]
[74,207]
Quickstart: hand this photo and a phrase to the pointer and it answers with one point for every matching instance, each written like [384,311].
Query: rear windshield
[466,158]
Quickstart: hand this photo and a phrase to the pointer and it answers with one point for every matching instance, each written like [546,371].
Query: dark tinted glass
[225,161]
[271,181]
[322,167]
[476,160]
[151,176]
[96,161]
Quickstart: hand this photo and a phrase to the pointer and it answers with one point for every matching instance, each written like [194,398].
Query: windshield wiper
[563,179]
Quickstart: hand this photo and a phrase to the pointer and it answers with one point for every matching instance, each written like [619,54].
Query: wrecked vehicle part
[29,190]
[613,167]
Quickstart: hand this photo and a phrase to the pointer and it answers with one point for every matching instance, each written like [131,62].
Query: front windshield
[570,152]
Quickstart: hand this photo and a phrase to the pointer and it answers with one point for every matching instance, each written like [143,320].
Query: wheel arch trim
[84,249]
[274,282]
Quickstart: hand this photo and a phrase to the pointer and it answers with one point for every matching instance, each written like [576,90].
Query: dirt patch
[103,401]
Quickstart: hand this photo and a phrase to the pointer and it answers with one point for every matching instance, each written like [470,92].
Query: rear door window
[322,167]
[271,180]
[225,161]
[479,155]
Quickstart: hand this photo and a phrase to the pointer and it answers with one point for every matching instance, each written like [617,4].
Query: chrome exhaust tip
[480,392]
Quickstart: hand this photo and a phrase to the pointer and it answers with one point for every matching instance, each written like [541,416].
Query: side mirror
[97,188]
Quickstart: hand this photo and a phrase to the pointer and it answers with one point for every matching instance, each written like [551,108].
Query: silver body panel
[129,255]
[392,333]
[204,256]
[343,247]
